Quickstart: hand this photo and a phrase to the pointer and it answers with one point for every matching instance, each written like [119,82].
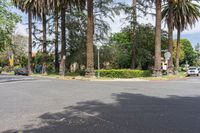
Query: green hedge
[124,73]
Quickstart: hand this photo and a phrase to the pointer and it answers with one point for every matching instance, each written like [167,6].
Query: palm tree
[134,23]
[44,26]
[90,32]
[56,25]
[62,6]
[169,20]
[30,43]
[63,36]
[21,5]
[185,14]
[38,9]
[157,65]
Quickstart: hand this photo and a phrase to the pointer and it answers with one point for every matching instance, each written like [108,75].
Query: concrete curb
[94,79]
[122,80]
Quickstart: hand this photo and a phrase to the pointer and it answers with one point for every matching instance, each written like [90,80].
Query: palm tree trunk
[30,42]
[178,48]
[157,65]
[170,36]
[56,24]
[44,33]
[44,44]
[90,32]
[134,23]
[63,37]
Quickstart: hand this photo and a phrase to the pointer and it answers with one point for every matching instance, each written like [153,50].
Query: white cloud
[119,22]
[21,29]
[195,29]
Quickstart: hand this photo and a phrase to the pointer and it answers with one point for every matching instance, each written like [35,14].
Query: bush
[124,73]
[6,69]
[1,69]
[17,67]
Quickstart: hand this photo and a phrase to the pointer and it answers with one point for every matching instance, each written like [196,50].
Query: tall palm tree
[21,5]
[30,43]
[167,15]
[56,25]
[90,32]
[61,6]
[157,65]
[45,7]
[170,24]
[63,36]
[185,14]
[44,26]
[134,23]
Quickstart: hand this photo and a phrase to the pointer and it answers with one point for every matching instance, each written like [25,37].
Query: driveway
[40,105]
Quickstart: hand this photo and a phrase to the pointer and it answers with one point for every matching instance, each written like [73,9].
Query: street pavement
[41,105]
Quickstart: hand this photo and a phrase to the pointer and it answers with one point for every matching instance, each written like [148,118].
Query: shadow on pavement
[133,113]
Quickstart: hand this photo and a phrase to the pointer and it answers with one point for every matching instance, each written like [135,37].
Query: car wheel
[188,75]
[197,74]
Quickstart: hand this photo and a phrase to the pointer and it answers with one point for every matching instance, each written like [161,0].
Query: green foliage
[23,60]
[40,57]
[187,53]
[190,54]
[118,52]
[124,73]
[6,69]
[4,59]
[16,67]
[8,21]
[1,69]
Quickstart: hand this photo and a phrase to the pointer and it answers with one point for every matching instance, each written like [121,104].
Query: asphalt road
[36,105]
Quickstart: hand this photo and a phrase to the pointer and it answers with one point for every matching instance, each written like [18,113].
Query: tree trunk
[170,36]
[63,48]
[44,44]
[90,32]
[157,65]
[30,43]
[178,48]
[56,24]
[44,26]
[134,24]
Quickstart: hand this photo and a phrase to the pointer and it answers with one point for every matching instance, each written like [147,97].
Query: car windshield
[193,68]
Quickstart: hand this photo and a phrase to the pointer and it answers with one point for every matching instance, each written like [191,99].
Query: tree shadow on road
[133,113]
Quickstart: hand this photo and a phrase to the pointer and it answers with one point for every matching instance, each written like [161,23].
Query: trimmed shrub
[17,67]
[6,69]
[124,73]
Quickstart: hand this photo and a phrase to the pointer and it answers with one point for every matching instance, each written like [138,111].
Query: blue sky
[191,34]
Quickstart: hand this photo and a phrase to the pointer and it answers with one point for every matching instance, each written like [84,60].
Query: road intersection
[38,105]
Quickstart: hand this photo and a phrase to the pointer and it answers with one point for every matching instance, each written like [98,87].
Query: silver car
[193,71]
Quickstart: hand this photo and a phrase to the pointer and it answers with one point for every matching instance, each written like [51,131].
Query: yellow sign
[11,62]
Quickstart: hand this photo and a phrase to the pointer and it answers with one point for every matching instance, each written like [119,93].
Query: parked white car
[193,71]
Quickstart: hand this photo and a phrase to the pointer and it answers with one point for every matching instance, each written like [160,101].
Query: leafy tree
[190,54]
[8,21]
[19,49]
[118,53]
[187,53]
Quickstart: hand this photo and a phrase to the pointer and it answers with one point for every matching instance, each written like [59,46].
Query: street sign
[167,55]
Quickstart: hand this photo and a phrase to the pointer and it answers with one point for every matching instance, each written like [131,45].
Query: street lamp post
[64,69]
[98,49]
